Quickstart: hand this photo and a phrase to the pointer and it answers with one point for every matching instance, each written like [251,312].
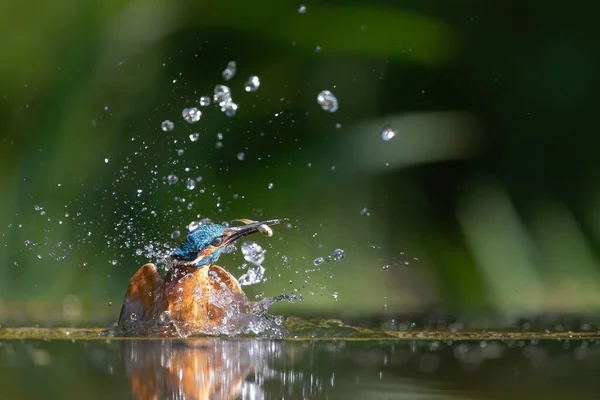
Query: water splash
[327,101]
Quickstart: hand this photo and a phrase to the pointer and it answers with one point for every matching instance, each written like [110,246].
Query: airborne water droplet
[194,137]
[191,184]
[229,108]
[327,101]
[222,93]
[301,9]
[167,126]
[253,253]
[241,156]
[252,84]
[387,133]
[191,115]
[338,254]
[229,71]
[270,186]
[172,179]
[318,261]
[204,101]
[254,275]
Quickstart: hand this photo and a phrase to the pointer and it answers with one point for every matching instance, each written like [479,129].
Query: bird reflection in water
[193,369]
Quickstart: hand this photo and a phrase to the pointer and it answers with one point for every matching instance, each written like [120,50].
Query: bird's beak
[236,232]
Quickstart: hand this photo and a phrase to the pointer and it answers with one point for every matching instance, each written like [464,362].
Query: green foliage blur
[485,202]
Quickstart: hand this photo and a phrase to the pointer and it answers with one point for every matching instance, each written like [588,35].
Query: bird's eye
[217,241]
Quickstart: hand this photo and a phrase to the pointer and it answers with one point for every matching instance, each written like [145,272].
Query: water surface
[212,368]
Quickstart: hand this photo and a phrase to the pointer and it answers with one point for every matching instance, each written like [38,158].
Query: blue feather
[196,242]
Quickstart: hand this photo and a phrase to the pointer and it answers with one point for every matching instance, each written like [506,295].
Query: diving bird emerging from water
[196,295]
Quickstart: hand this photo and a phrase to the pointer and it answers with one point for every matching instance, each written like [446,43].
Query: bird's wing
[141,295]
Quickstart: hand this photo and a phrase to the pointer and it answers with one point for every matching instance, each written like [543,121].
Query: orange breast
[191,300]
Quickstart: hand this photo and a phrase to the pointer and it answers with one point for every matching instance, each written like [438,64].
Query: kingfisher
[195,295]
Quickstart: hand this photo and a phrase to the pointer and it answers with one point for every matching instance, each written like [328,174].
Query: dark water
[267,369]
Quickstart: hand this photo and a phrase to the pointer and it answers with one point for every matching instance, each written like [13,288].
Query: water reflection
[277,369]
[195,369]
[266,369]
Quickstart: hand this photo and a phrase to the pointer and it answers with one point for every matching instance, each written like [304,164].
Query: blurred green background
[484,203]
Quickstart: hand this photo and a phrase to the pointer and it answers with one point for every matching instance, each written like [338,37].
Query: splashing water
[229,108]
[172,179]
[167,126]
[252,84]
[387,133]
[254,275]
[204,101]
[253,253]
[327,101]
[338,254]
[191,115]
[229,71]
[222,93]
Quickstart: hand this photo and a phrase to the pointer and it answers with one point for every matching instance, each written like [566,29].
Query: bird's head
[204,245]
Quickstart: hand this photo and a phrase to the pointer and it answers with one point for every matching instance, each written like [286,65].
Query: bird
[196,295]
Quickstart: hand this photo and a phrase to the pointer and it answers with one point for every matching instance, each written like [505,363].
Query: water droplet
[222,93]
[191,115]
[328,259]
[113,262]
[165,317]
[204,101]
[193,225]
[219,145]
[253,253]
[386,267]
[335,295]
[318,261]
[172,179]
[364,211]
[252,84]
[138,252]
[241,156]
[175,234]
[387,133]
[270,186]
[167,126]
[254,275]
[219,136]
[194,137]
[191,184]
[327,101]
[109,303]
[133,317]
[27,243]
[106,160]
[301,9]
[338,254]
[229,108]
[229,71]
